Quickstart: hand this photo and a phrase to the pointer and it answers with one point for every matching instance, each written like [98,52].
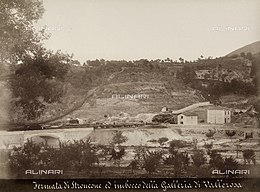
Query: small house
[187,118]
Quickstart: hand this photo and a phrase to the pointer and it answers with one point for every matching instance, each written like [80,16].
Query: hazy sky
[134,29]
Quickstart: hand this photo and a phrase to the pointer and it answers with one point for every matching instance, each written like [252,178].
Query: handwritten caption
[152,184]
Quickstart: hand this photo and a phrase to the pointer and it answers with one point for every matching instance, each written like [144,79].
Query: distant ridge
[254,48]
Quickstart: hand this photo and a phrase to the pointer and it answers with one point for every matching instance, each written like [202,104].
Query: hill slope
[158,91]
[254,48]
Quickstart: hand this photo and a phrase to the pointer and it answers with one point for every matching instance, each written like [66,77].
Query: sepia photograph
[148,95]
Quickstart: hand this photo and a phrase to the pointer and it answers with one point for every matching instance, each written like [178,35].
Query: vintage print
[129,95]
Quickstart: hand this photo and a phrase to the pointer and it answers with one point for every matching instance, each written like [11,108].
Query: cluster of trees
[235,86]
[247,55]
[215,89]
[77,155]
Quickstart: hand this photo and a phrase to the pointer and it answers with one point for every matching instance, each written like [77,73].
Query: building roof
[218,108]
[187,113]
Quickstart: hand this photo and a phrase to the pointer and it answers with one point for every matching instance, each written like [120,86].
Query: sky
[149,29]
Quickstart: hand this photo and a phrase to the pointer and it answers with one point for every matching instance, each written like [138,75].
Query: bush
[216,161]
[162,140]
[249,155]
[152,161]
[180,162]
[210,133]
[198,158]
[176,144]
[230,133]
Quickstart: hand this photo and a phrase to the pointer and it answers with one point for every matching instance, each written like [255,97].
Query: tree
[134,165]
[117,155]
[175,145]
[249,56]
[38,81]
[229,164]
[181,59]
[152,161]
[242,54]
[24,158]
[180,162]
[216,161]
[198,158]
[17,36]
[249,156]
[230,133]
[162,140]
[83,155]
[140,152]
[208,146]
[210,133]
[118,138]
[188,75]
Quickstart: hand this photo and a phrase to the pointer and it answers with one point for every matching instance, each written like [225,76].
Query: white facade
[187,119]
[218,116]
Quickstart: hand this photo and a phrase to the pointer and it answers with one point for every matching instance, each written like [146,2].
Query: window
[181,117]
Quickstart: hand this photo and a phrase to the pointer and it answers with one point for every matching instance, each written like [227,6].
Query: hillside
[254,48]
[97,91]
[154,89]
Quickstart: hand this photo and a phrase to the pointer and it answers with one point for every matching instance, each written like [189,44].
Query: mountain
[254,48]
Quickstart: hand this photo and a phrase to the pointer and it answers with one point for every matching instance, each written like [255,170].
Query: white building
[164,109]
[218,115]
[187,119]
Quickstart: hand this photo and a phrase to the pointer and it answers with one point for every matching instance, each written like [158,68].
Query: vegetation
[216,160]
[179,161]
[152,161]
[78,155]
[39,81]
[18,39]
[198,158]
[249,156]
[117,155]
[210,133]
[230,133]
[162,140]
[118,138]
[80,159]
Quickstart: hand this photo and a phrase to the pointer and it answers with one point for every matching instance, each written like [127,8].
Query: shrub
[162,140]
[176,144]
[249,155]
[152,161]
[180,162]
[210,133]
[216,160]
[198,158]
